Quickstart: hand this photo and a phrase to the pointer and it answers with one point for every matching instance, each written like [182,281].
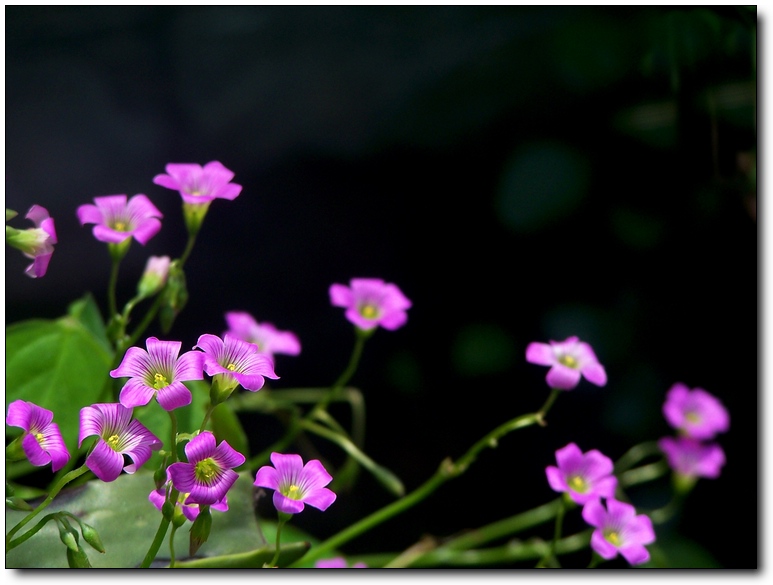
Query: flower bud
[200,529]
[154,277]
[77,559]
[174,297]
[68,535]
[91,536]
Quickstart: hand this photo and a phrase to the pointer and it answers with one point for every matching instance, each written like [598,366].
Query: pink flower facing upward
[337,563]
[371,302]
[208,474]
[583,477]
[619,530]
[115,219]
[119,435]
[42,441]
[692,459]
[158,372]
[188,509]
[36,243]
[296,484]
[233,361]
[568,360]
[695,413]
[268,338]
[197,184]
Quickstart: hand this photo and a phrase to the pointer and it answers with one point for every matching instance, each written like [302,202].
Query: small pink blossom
[619,530]
[268,338]
[296,484]
[197,184]
[42,441]
[691,458]
[371,302]
[188,509]
[337,563]
[695,413]
[115,219]
[233,361]
[584,476]
[568,360]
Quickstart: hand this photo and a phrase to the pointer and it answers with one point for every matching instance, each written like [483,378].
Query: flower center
[206,470]
[568,361]
[293,492]
[693,417]
[612,537]
[159,381]
[369,311]
[578,484]
[120,226]
[113,442]
[39,438]
[231,367]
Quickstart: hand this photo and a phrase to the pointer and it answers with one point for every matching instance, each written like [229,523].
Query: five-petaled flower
[695,413]
[208,474]
[36,243]
[296,484]
[692,458]
[115,219]
[583,477]
[197,184]
[188,509]
[119,435]
[268,338]
[158,372]
[370,302]
[568,360]
[337,563]
[619,530]
[41,441]
[232,361]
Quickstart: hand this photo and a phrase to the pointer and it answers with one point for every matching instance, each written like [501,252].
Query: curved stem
[156,544]
[337,387]
[9,544]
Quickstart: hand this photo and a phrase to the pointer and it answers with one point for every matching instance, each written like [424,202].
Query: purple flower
[36,243]
[296,484]
[568,360]
[695,413]
[189,510]
[371,302]
[619,530]
[691,458]
[337,563]
[119,435]
[199,185]
[115,219]
[268,338]
[158,372]
[42,441]
[235,361]
[208,474]
[583,476]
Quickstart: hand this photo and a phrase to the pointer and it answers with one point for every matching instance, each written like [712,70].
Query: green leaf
[227,427]
[59,365]
[127,522]
[87,312]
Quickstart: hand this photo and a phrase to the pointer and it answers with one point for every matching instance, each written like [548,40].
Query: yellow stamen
[693,417]
[293,492]
[205,470]
[231,367]
[39,437]
[120,226]
[613,537]
[368,311]
[578,484]
[159,381]
[113,442]
[568,361]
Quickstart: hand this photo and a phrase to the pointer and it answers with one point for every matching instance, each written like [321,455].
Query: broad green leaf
[59,365]
[126,522]
[87,312]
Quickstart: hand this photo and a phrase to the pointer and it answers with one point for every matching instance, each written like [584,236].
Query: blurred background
[521,173]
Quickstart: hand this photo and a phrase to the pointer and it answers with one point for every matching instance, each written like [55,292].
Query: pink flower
[695,413]
[296,484]
[155,275]
[268,338]
[568,360]
[119,436]
[198,184]
[208,474]
[188,509]
[42,441]
[158,372]
[691,458]
[583,476]
[619,530]
[337,563]
[233,361]
[115,219]
[36,243]
[371,302]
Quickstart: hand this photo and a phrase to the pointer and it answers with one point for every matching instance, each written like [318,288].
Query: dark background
[521,173]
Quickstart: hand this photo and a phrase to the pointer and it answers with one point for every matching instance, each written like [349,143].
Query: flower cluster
[697,417]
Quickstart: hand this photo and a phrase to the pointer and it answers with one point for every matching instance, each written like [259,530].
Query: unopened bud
[154,277]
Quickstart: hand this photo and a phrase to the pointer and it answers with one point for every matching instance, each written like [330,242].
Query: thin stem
[156,544]
[171,546]
[173,436]
[551,554]
[204,422]
[279,524]
[111,287]
[343,379]
[9,544]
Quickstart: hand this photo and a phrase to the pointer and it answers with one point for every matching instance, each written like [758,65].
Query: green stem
[447,470]
[156,544]
[171,546]
[204,422]
[282,519]
[147,319]
[173,437]
[9,544]
[346,375]
[551,554]
[111,288]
